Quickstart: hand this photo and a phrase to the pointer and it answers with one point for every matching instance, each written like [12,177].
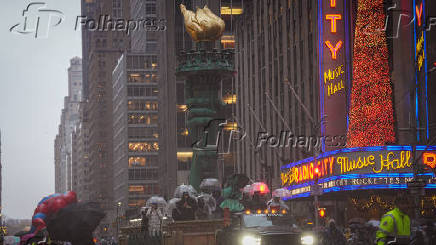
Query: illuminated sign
[429,159]
[356,168]
[334,73]
[351,162]
[421,77]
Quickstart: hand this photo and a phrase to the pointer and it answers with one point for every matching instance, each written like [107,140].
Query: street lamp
[118,221]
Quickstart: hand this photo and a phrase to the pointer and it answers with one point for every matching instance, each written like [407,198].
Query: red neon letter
[332,3]
[333,18]
[335,49]
[419,14]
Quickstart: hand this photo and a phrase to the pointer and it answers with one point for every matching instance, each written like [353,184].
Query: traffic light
[321,212]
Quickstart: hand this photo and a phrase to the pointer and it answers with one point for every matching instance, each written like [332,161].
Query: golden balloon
[203,25]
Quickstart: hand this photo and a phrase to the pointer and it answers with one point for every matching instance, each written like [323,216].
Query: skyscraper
[69,118]
[102,48]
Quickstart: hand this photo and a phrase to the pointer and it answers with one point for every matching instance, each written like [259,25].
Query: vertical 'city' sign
[333,69]
[421,69]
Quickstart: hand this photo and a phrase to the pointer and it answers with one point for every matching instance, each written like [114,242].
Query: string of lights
[371,111]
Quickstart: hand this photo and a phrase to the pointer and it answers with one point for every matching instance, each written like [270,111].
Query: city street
[218,122]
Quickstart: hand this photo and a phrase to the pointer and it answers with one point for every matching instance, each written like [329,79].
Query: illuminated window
[228,41]
[137,189]
[182,108]
[143,146]
[230,99]
[136,202]
[135,78]
[142,118]
[137,161]
[231,11]
[142,105]
[231,126]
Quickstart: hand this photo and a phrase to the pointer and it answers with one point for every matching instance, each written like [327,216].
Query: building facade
[69,118]
[310,87]
[136,130]
[102,46]
[276,82]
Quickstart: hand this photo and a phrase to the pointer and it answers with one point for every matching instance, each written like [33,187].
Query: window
[117,11]
[143,146]
[137,161]
[142,161]
[142,132]
[142,118]
[150,46]
[150,9]
[143,174]
[142,105]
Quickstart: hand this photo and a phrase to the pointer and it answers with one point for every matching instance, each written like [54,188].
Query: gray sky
[33,84]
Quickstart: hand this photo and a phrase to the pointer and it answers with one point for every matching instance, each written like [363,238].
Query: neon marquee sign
[366,160]
[334,72]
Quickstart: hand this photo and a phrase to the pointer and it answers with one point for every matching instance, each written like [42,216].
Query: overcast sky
[33,84]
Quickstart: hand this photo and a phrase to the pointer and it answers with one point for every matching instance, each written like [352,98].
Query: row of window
[142,105]
[146,189]
[143,146]
[142,62]
[143,174]
[142,118]
[143,161]
[142,91]
[143,78]
[142,132]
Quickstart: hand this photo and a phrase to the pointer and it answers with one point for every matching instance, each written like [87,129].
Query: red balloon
[39,223]
[58,204]
[50,205]
[70,197]
[43,208]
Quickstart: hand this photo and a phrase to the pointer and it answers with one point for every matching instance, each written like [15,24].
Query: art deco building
[283,84]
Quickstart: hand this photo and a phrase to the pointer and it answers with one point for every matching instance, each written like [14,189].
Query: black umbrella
[75,223]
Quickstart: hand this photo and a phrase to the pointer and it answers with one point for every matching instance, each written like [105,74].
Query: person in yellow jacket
[395,224]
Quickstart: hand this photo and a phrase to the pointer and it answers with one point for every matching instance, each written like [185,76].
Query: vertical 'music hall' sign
[334,70]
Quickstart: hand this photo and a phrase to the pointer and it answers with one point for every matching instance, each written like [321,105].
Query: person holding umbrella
[154,216]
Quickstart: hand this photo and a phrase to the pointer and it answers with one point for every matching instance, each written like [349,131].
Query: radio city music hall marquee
[356,168]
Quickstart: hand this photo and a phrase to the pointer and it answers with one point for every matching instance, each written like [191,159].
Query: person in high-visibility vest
[395,224]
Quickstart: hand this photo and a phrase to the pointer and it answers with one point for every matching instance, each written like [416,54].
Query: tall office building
[136,131]
[69,118]
[102,47]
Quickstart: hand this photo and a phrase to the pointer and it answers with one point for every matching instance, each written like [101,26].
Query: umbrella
[210,185]
[160,201]
[171,205]
[185,188]
[237,181]
[75,222]
[356,221]
[259,187]
[282,192]
[246,189]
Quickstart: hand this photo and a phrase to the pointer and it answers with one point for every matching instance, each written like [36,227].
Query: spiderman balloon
[48,206]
